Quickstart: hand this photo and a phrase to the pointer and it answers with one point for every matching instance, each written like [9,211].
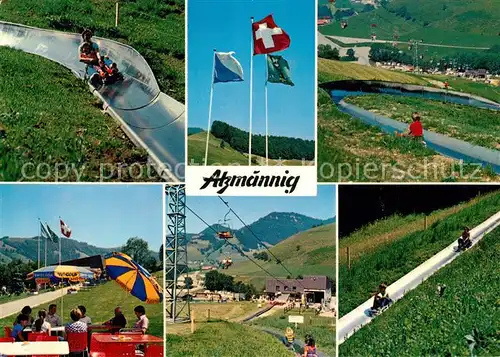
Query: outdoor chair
[97,349]
[7,339]
[42,337]
[7,331]
[78,343]
[154,351]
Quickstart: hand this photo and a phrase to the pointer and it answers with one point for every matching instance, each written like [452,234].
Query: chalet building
[317,289]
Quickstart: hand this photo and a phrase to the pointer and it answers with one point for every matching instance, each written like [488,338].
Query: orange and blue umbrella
[133,278]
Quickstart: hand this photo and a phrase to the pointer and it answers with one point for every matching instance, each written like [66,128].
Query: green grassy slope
[476,126]
[216,154]
[307,253]
[49,117]
[100,303]
[424,324]
[348,149]
[390,262]
[225,339]
[154,28]
[385,231]
[450,22]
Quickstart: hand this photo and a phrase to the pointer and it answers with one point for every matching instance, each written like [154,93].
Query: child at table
[40,324]
[17,330]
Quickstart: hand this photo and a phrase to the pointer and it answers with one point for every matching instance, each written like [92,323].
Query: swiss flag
[65,230]
[268,37]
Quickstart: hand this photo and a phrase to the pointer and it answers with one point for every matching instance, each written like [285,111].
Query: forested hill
[280,147]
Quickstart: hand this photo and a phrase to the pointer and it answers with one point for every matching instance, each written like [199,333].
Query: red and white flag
[65,230]
[268,37]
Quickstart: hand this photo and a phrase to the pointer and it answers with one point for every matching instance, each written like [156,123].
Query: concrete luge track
[445,145]
[359,317]
[150,118]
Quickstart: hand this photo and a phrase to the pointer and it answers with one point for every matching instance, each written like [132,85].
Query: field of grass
[100,303]
[476,126]
[388,230]
[307,253]
[154,28]
[225,339]
[39,129]
[322,328]
[425,324]
[388,263]
[349,150]
[462,24]
[464,85]
[227,155]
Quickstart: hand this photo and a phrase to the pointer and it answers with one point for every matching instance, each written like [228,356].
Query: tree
[188,282]
[222,144]
[138,250]
[351,53]
[328,52]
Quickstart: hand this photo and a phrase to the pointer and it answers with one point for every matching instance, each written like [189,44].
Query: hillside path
[14,307]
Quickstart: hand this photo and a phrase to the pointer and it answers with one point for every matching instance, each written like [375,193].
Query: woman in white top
[40,325]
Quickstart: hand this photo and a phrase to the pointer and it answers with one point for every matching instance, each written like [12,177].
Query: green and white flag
[278,70]
[52,236]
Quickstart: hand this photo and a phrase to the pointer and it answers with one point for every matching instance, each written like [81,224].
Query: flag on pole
[227,68]
[65,230]
[278,70]
[268,37]
[52,236]
[44,232]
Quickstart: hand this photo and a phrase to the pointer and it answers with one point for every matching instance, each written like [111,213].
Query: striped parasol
[133,278]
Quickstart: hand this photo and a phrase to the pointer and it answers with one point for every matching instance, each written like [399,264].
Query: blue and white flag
[227,68]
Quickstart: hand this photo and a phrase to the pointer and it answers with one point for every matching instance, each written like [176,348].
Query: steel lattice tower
[176,261]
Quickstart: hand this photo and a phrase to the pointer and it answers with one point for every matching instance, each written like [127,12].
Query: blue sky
[250,209]
[226,26]
[101,215]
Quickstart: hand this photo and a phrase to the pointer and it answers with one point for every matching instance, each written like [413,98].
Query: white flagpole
[60,250]
[46,239]
[251,96]
[39,234]
[210,109]
[267,132]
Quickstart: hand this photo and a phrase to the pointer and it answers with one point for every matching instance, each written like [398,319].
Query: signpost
[294,319]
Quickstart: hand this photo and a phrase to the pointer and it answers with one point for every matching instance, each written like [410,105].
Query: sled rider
[89,50]
[464,240]
[381,298]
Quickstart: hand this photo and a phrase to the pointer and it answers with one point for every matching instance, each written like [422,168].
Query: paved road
[14,307]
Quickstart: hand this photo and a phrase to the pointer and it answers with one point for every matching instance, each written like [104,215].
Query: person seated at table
[85,318]
[19,325]
[40,324]
[142,320]
[119,321]
[76,326]
[52,318]
[27,311]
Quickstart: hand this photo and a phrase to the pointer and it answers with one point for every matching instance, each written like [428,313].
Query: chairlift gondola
[225,233]
[344,24]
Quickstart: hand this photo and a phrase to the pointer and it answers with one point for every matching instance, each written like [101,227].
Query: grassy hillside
[388,263]
[38,130]
[349,150]
[226,155]
[307,253]
[476,126]
[450,22]
[322,328]
[225,339]
[384,232]
[100,302]
[27,249]
[154,28]
[470,301]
